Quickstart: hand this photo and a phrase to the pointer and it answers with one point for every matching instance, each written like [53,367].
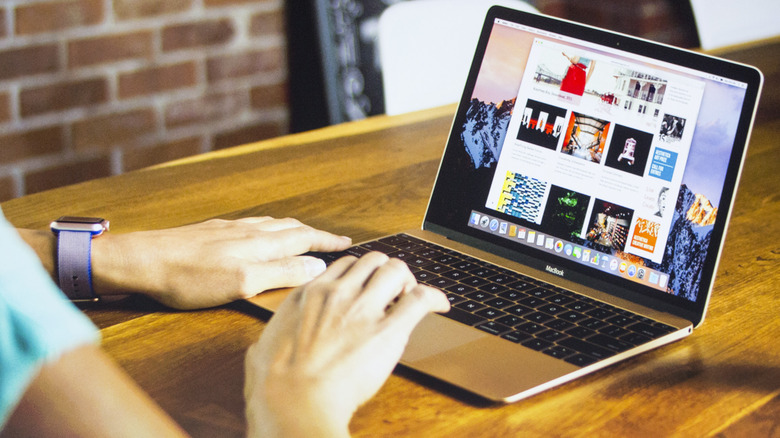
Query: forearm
[110,272]
[85,394]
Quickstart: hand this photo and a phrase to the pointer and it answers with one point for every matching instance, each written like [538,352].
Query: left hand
[210,263]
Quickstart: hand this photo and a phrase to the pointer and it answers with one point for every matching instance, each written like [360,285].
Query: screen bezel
[443,218]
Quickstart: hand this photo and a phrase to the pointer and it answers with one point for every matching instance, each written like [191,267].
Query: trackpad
[436,334]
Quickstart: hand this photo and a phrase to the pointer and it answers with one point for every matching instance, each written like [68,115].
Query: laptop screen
[615,161]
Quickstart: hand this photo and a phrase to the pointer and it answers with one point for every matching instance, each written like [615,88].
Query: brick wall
[666,21]
[90,88]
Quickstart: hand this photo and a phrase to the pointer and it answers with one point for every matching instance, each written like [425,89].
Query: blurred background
[92,88]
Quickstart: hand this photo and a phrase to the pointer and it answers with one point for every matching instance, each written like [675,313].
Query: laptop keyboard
[518,308]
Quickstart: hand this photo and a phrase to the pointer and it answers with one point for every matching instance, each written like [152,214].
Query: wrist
[285,414]
[115,270]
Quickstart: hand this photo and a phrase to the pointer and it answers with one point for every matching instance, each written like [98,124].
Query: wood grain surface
[373,177]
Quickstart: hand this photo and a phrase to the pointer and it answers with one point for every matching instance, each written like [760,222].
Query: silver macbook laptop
[580,206]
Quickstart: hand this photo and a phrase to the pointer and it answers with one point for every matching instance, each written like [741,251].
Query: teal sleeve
[37,322]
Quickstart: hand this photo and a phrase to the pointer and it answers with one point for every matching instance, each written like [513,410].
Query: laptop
[580,207]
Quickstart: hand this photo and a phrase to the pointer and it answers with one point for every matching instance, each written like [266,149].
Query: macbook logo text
[556,271]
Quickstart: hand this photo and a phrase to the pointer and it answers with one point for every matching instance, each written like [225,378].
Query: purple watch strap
[73,268]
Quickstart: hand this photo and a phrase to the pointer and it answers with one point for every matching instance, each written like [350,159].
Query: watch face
[94,225]
[80,220]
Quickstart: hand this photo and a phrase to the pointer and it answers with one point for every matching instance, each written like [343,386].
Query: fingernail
[314,267]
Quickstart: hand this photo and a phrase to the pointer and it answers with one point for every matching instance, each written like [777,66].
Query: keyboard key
[621,320]
[454,299]
[512,295]
[473,281]
[558,351]
[469,306]
[424,276]
[593,323]
[493,288]
[502,279]
[634,338]
[579,306]
[551,335]
[499,303]
[551,309]
[559,324]
[587,348]
[572,316]
[516,337]
[530,328]
[437,268]
[479,296]
[613,330]
[532,302]
[493,328]
[519,310]
[490,313]
[510,320]
[540,292]
[581,360]
[460,289]
[538,317]
[600,313]
[649,330]
[560,299]
[357,251]
[580,332]
[378,246]
[447,259]
[537,344]
[483,272]
[463,316]
[610,342]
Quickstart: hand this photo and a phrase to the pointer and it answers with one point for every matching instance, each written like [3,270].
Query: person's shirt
[37,322]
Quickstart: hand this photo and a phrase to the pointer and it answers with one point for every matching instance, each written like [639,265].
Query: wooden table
[373,177]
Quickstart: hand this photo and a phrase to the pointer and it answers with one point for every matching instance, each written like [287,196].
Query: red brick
[100,50]
[5,107]
[69,173]
[556,8]
[244,64]
[213,107]
[156,80]
[114,129]
[7,188]
[57,15]
[63,96]
[249,134]
[30,60]
[197,35]
[271,96]
[32,143]
[267,23]
[144,157]
[133,9]
[3,34]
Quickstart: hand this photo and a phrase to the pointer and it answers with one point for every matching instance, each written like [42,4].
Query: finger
[255,219]
[284,272]
[387,282]
[359,274]
[412,307]
[298,240]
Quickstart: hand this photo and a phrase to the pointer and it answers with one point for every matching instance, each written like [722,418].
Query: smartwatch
[74,248]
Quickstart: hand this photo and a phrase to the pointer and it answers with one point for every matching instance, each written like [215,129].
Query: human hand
[210,263]
[331,345]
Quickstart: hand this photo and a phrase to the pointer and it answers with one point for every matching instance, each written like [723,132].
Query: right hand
[331,346]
